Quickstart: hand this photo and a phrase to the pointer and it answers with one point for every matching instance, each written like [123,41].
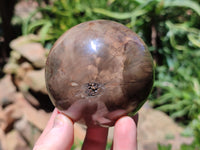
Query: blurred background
[170,120]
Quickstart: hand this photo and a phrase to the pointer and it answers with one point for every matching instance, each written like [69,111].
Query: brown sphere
[99,71]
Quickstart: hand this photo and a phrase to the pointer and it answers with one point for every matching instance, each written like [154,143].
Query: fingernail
[60,120]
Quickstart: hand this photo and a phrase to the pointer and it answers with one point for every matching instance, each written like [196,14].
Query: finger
[125,134]
[60,136]
[48,126]
[135,118]
[96,138]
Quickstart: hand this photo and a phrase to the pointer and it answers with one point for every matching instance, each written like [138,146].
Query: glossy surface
[99,71]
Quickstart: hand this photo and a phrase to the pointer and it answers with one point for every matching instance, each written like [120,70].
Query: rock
[20,75]
[2,140]
[11,68]
[26,66]
[14,56]
[8,116]
[177,141]
[31,99]
[7,88]
[21,108]
[38,118]
[15,141]
[32,51]
[23,9]
[23,69]
[153,128]
[8,100]
[2,120]
[28,131]
[22,86]
[35,80]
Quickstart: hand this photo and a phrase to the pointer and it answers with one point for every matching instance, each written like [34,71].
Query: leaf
[36,24]
[193,35]
[25,25]
[167,107]
[163,99]
[194,39]
[44,30]
[164,147]
[116,15]
[196,84]
[181,112]
[183,3]
[138,11]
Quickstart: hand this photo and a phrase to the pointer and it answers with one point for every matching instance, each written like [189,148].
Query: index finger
[48,126]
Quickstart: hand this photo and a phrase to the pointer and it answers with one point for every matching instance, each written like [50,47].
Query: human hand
[59,135]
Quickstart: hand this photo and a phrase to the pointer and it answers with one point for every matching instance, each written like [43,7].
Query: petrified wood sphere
[99,71]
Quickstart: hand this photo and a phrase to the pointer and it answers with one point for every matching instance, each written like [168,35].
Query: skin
[59,135]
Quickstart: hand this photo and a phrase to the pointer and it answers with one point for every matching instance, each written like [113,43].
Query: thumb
[60,136]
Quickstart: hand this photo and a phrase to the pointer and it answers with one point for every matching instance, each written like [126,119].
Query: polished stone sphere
[98,71]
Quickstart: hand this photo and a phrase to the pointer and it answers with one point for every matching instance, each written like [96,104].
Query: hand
[59,135]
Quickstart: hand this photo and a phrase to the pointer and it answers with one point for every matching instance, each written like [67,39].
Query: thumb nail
[60,120]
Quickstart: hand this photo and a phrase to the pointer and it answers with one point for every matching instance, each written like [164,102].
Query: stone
[35,80]
[32,51]
[27,130]
[31,99]
[15,142]
[23,9]
[23,69]
[12,65]
[10,99]
[7,88]
[2,140]
[100,68]
[20,75]
[22,86]
[2,120]
[38,118]
[26,66]
[153,128]
[8,116]
[177,141]
[11,68]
